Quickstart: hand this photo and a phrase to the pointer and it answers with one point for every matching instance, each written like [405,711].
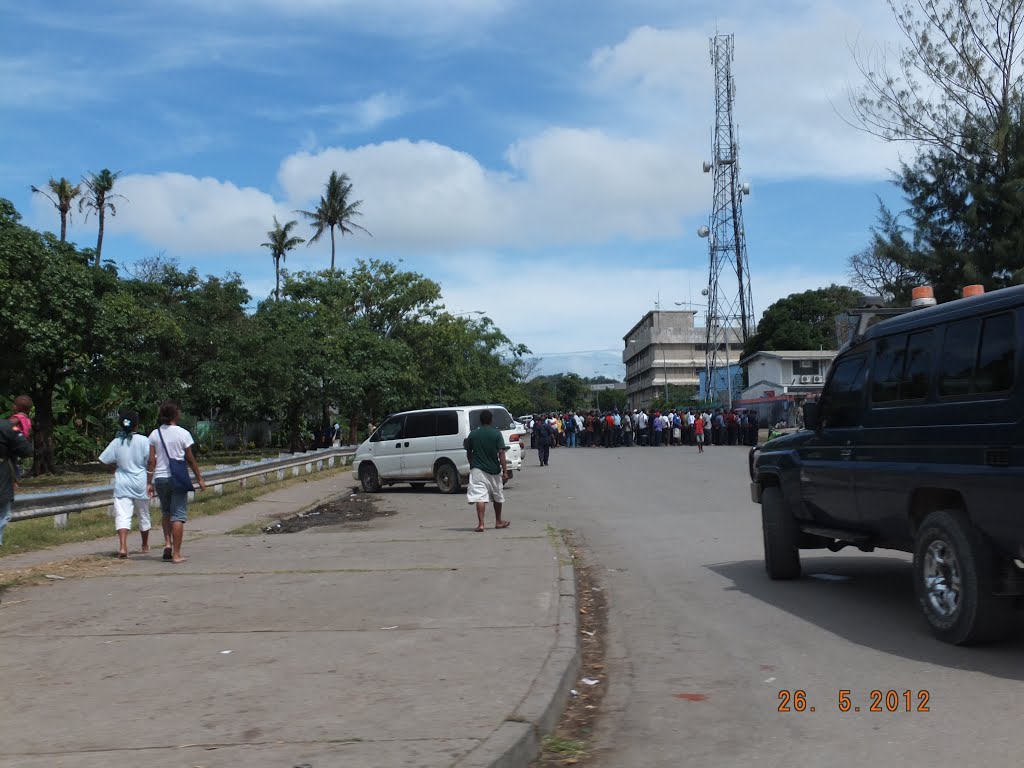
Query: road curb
[517,741]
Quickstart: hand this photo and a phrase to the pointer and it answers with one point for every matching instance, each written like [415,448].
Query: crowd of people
[640,427]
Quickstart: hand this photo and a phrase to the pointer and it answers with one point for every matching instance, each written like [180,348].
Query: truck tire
[955,571]
[447,477]
[781,536]
[368,478]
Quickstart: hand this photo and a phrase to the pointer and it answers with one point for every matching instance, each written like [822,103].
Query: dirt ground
[356,508]
[569,744]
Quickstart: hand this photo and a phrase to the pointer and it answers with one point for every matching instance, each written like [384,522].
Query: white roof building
[786,372]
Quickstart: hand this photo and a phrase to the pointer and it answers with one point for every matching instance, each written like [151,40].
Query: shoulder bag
[180,478]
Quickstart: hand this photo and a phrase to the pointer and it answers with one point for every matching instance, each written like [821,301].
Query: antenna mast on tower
[730,318]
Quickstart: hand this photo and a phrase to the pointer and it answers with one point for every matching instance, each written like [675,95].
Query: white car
[419,447]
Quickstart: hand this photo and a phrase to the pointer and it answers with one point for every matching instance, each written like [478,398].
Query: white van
[418,447]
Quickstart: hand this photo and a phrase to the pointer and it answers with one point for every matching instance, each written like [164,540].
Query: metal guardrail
[60,503]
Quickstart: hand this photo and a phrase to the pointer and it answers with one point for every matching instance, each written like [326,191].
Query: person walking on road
[698,433]
[545,436]
[128,456]
[485,449]
[13,445]
[170,443]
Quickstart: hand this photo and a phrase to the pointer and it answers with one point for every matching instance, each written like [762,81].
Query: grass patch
[33,535]
[97,474]
[90,565]
[564,747]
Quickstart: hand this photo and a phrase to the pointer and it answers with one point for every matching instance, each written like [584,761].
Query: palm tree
[62,193]
[279,243]
[100,198]
[335,210]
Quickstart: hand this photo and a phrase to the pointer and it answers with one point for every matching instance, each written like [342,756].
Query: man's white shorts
[123,509]
[484,487]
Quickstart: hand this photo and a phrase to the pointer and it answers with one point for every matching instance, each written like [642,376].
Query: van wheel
[781,536]
[447,478]
[369,478]
[955,577]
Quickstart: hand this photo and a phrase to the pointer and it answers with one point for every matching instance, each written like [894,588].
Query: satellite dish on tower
[745,187]
[703,231]
[707,167]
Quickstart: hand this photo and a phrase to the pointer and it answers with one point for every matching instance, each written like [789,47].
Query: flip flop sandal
[122,555]
[503,524]
[480,529]
[168,553]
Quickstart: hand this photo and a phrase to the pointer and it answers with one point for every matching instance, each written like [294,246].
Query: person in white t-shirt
[167,443]
[127,455]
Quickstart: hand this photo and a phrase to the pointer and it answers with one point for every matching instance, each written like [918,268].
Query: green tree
[99,198]
[967,217]
[572,391]
[280,241]
[961,66]
[336,210]
[62,194]
[882,268]
[286,381]
[957,94]
[540,395]
[679,396]
[174,334]
[48,321]
[804,320]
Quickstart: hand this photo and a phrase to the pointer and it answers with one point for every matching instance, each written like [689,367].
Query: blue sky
[541,160]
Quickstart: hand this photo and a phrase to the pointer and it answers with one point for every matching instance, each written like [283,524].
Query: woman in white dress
[127,455]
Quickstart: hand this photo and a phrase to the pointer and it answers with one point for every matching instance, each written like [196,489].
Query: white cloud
[605,302]
[563,185]
[632,173]
[791,74]
[378,109]
[364,115]
[185,213]
[422,18]
[415,194]
[40,83]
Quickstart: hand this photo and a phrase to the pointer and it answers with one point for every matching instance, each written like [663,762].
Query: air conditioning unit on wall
[805,379]
[819,379]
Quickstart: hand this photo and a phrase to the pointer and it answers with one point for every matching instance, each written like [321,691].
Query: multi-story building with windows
[669,348]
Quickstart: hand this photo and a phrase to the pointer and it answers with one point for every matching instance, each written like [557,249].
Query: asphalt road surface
[703,646]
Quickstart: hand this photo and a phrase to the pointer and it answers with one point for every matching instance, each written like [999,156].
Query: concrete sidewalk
[408,640]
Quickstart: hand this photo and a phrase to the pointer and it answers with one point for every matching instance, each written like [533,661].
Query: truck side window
[447,423]
[841,400]
[996,357]
[420,425]
[918,369]
[890,354]
[959,351]
[390,430]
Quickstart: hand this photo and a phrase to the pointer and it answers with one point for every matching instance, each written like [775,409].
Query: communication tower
[730,316]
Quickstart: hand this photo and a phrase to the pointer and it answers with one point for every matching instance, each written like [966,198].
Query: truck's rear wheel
[447,478]
[781,536]
[955,571]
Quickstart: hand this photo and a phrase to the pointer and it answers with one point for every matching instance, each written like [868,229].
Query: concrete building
[668,347]
[786,372]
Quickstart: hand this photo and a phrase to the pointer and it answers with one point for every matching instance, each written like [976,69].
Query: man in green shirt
[488,471]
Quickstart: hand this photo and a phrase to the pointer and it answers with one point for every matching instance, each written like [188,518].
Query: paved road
[693,613]
[398,642]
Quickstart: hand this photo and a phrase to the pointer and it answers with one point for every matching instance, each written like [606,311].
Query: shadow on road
[871,602]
